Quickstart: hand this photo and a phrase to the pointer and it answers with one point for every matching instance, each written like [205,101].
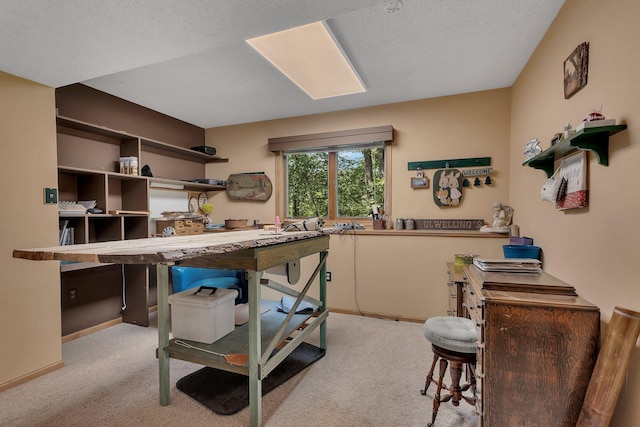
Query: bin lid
[203,298]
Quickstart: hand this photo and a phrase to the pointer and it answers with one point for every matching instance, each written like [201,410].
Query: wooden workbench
[251,250]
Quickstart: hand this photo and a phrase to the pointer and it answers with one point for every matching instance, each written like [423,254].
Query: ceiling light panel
[311,58]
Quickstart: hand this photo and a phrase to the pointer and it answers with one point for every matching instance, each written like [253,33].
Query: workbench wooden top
[157,250]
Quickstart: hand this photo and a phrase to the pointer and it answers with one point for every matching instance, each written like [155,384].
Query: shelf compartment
[127,192]
[594,139]
[78,184]
[136,227]
[98,297]
[79,225]
[105,228]
[75,139]
[136,309]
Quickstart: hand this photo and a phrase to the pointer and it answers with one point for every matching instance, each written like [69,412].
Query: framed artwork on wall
[576,68]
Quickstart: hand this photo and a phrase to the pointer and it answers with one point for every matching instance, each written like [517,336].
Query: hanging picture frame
[576,68]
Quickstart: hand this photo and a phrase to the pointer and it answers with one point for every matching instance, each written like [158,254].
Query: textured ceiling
[189,58]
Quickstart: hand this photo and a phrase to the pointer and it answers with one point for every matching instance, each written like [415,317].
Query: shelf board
[70,123]
[594,139]
[237,342]
[80,171]
[66,266]
[171,184]
[180,152]
[147,144]
[175,184]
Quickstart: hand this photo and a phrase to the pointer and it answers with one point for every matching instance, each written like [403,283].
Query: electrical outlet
[73,295]
[50,196]
[328,276]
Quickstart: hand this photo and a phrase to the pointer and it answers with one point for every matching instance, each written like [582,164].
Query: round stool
[453,340]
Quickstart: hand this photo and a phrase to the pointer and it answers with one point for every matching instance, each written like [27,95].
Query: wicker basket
[231,224]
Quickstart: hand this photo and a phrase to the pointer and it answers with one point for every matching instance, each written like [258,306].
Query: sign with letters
[449,224]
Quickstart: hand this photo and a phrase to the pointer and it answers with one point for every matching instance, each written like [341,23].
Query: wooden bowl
[231,224]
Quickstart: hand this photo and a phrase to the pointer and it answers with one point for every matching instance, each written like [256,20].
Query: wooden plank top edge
[155,250]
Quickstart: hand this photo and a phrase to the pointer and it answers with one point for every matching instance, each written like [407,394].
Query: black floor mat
[226,393]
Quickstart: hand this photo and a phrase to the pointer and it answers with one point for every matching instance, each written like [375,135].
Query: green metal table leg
[255,349]
[323,298]
[163,331]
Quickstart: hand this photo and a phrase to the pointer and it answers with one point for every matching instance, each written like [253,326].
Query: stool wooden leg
[430,375]
[456,391]
[436,398]
[471,379]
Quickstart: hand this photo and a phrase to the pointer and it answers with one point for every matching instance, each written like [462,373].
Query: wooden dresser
[537,346]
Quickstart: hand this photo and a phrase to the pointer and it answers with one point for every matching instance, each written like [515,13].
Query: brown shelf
[186,185]
[179,152]
[89,169]
[67,122]
[147,144]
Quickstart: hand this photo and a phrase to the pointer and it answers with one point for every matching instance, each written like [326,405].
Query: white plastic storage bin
[198,315]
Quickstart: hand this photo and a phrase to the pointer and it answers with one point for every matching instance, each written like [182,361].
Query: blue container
[521,251]
[183,278]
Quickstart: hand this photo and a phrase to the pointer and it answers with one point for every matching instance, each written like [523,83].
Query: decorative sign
[477,172]
[448,192]
[449,224]
[255,187]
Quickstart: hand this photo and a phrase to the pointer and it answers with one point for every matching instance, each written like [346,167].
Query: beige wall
[596,249]
[29,291]
[397,276]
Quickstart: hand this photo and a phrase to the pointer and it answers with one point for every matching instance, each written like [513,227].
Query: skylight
[310,57]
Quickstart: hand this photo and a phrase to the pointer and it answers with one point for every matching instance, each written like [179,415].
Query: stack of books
[509,265]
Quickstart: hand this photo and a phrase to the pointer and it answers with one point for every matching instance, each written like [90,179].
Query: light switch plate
[50,196]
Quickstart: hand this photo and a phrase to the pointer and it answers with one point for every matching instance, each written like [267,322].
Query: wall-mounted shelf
[594,139]
[147,144]
[89,169]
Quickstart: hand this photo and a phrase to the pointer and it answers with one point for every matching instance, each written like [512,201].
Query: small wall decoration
[419,181]
[532,149]
[576,68]
[447,193]
[254,187]
[574,170]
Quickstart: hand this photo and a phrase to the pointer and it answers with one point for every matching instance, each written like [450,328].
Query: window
[334,175]
[358,173]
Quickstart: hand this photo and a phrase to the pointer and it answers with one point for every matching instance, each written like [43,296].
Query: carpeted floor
[370,376]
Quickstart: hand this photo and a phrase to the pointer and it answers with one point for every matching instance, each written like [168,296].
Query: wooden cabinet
[537,346]
[89,169]
[455,286]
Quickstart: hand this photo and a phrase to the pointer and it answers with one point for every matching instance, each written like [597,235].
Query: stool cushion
[451,333]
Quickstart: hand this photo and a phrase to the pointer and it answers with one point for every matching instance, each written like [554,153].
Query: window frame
[331,142]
